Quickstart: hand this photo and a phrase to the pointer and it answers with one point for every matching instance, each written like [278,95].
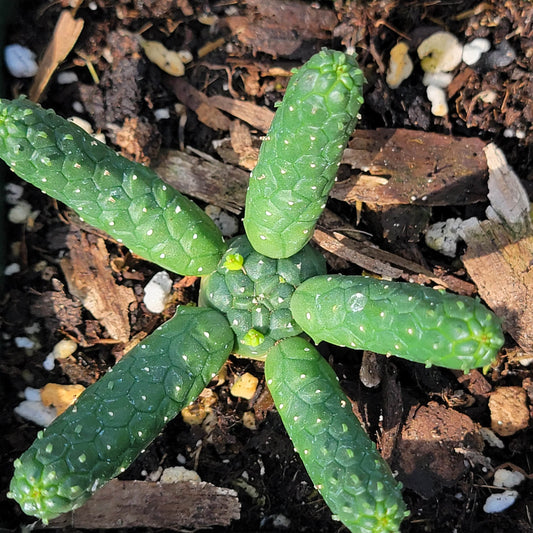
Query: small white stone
[225,222]
[67,77]
[157,291]
[400,65]
[13,193]
[24,342]
[443,236]
[507,478]
[85,125]
[13,268]
[440,52]
[162,113]
[473,50]
[36,412]
[20,61]
[438,79]
[437,97]
[176,474]
[49,362]
[32,394]
[496,503]
[21,213]
[78,107]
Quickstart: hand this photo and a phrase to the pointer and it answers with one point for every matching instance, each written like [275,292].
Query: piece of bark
[242,144]
[499,252]
[387,264]
[207,180]
[347,249]
[257,116]
[225,186]
[413,167]
[282,28]
[90,278]
[174,506]
[199,103]
[57,309]
[65,36]
[391,423]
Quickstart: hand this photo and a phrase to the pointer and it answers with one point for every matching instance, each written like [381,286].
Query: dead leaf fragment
[509,412]
[90,278]
[258,117]
[65,36]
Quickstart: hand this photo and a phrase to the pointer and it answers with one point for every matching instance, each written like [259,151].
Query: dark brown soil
[426,421]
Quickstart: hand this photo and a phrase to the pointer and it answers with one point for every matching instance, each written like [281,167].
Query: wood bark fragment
[90,279]
[257,116]
[174,506]
[401,166]
[386,264]
[199,103]
[499,251]
[282,27]
[209,181]
[242,144]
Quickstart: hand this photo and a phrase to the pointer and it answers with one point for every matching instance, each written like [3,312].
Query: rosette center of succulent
[254,292]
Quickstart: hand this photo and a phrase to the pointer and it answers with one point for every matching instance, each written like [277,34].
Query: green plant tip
[234,262]
[253,338]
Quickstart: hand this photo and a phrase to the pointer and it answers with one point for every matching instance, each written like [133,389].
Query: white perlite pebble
[491,438]
[20,61]
[507,478]
[176,474]
[14,193]
[437,97]
[473,50]
[32,394]
[162,113]
[157,291]
[400,65]
[20,213]
[440,52]
[24,342]
[50,362]
[13,268]
[496,503]
[437,79]
[63,349]
[36,412]
[443,236]
[67,77]
[85,125]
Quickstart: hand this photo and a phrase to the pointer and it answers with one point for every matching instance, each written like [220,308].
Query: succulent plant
[262,295]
